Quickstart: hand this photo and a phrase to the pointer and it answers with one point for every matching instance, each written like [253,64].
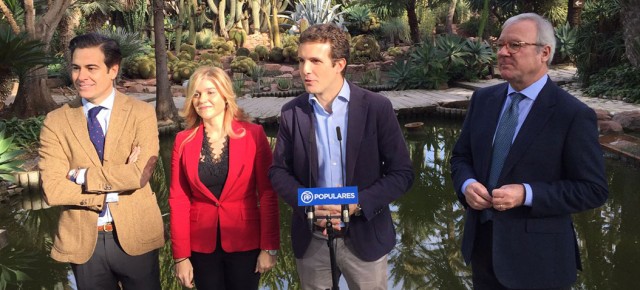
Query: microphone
[345,207]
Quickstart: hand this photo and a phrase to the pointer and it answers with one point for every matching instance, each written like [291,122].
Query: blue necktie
[504,137]
[95,131]
[502,145]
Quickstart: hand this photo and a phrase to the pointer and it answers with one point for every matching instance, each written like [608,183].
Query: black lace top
[213,172]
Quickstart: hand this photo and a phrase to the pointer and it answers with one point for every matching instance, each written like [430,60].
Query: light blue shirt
[103,118]
[330,160]
[524,107]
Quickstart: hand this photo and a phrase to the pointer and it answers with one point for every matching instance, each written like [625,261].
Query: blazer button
[217,204]
[107,187]
[83,202]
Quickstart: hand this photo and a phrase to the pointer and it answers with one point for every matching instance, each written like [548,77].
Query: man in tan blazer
[96,157]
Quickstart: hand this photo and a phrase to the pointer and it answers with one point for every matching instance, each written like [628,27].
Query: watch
[272,252]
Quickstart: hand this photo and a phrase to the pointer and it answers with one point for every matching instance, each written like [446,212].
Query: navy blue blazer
[377,161]
[557,152]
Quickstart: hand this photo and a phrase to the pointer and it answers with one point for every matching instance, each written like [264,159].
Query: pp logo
[306,197]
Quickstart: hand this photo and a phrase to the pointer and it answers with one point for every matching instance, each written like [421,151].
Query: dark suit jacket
[377,161]
[557,152]
[247,210]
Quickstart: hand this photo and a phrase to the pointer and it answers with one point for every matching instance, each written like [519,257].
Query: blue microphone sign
[327,195]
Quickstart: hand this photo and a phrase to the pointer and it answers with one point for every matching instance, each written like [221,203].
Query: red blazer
[247,209]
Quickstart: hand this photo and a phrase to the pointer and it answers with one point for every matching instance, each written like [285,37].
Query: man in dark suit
[519,194]
[307,154]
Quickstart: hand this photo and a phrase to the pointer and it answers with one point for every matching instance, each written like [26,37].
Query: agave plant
[317,12]
[131,43]
[18,54]
[8,154]
[565,42]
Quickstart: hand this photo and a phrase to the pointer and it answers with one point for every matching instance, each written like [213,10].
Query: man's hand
[135,152]
[334,210]
[508,196]
[477,196]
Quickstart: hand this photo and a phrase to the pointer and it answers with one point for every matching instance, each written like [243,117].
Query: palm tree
[18,54]
[631,29]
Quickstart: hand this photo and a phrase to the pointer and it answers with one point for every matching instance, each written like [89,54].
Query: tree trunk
[450,14]
[573,13]
[33,97]
[165,107]
[66,29]
[414,29]
[631,29]
[7,14]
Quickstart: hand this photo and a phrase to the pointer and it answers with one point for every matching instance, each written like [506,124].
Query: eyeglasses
[514,46]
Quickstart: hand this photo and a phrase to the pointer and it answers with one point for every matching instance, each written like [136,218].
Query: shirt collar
[107,103]
[533,90]
[344,94]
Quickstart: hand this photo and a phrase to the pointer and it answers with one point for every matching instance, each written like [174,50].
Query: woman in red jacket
[224,213]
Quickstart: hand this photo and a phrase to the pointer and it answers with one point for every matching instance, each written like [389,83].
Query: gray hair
[546,33]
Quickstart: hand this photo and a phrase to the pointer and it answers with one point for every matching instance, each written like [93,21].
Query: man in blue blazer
[518,231]
[308,154]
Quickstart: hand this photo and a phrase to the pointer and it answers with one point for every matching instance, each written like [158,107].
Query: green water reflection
[428,221]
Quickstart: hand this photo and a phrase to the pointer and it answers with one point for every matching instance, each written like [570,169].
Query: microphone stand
[331,234]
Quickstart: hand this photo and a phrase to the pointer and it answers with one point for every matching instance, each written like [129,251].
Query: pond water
[428,220]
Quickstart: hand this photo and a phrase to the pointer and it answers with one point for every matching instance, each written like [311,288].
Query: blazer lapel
[493,107]
[191,155]
[78,124]
[358,109]
[117,121]
[305,118]
[540,113]
[237,149]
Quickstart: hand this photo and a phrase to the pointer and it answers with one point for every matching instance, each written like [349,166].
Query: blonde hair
[222,82]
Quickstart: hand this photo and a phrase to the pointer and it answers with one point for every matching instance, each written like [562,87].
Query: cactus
[243,64]
[190,49]
[262,51]
[222,47]
[242,51]
[238,36]
[254,55]
[364,49]
[171,56]
[276,55]
[290,53]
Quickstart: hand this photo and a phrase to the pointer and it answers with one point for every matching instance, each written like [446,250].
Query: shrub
[622,81]
[395,31]
[8,156]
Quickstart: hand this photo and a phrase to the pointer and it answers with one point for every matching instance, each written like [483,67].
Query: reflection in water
[428,221]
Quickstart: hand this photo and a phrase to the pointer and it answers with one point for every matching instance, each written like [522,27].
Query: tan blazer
[65,144]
